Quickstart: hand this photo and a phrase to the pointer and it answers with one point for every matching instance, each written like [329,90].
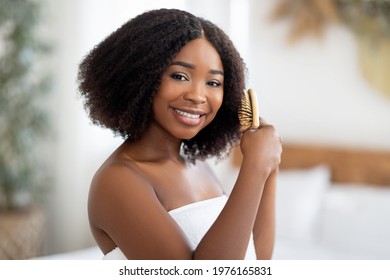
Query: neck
[155,145]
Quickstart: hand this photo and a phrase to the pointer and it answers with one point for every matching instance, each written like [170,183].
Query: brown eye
[214,83]
[179,77]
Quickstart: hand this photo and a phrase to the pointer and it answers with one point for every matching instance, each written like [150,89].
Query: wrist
[256,167]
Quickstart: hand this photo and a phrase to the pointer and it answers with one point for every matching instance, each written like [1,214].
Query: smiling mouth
[188,115]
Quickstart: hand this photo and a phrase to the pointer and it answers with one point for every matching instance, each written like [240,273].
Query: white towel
[194,219]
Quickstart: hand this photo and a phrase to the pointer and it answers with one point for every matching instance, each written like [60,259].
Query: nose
[196,94]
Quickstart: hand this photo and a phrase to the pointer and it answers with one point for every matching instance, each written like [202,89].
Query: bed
[332,203]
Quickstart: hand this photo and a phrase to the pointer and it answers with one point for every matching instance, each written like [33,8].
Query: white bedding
[90,253]
[345,221]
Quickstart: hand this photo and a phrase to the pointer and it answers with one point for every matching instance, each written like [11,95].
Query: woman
[170,84]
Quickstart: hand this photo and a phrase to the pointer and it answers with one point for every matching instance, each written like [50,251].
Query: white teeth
[188,115]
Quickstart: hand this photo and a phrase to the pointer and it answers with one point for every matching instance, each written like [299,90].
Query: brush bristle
[245,112]
[248,114]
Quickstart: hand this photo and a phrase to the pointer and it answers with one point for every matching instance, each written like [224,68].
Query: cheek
[216,101]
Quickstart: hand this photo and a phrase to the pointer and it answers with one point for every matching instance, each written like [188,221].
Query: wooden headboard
[347,165]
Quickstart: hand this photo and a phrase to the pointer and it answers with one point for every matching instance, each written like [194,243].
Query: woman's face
[191,90]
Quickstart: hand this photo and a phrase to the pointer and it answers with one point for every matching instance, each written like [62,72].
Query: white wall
[312,92]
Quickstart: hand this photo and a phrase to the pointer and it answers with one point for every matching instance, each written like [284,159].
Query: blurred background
[320,69]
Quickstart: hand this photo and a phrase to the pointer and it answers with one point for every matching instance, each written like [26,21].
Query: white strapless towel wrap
[194,219]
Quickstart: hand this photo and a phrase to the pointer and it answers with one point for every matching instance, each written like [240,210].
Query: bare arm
[229,236]
[264,229]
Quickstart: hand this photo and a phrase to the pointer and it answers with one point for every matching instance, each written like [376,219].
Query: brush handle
[255,110]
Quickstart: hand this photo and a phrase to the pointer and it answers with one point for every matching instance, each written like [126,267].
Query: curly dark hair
[120,76]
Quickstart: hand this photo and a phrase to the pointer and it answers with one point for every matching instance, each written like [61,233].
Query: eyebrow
[191,66]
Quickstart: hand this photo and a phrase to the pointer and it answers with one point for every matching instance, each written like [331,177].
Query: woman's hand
[262,147]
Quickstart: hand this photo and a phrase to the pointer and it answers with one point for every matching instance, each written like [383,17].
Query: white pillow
[357,218]
[300,197]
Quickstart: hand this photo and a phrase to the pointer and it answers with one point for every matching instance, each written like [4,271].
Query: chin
[187,133]
[186,136]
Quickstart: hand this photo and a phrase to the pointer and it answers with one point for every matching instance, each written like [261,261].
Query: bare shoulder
[117,174]
[114,183]
[123,208]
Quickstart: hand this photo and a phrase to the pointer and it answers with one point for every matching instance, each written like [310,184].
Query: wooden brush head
[248,112]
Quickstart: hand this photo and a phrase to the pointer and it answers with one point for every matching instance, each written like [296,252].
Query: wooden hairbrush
[248,113]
